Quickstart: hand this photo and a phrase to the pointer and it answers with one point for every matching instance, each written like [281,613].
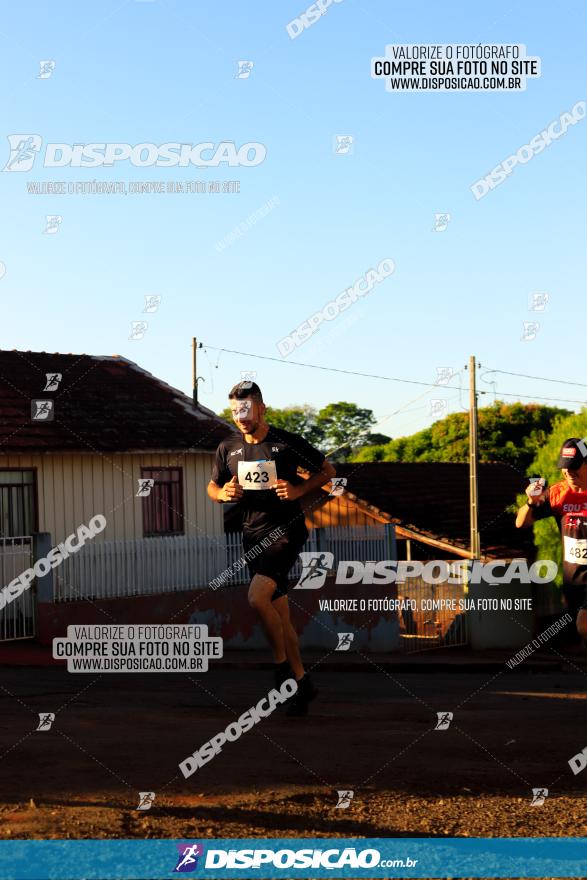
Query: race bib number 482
[257,474]
[575,550]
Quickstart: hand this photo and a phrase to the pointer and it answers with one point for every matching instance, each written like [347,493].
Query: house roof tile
[103,403]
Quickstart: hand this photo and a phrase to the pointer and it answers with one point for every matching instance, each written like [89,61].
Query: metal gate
[17,619]
[433,623]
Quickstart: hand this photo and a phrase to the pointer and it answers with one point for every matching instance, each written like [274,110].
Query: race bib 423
[257,474]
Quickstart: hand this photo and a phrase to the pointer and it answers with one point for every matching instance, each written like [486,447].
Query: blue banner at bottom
[336,857]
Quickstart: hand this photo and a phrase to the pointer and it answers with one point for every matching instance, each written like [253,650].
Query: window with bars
[163,507]
[17,503]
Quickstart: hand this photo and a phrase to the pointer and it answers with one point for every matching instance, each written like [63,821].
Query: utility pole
[194,373]
[473,455]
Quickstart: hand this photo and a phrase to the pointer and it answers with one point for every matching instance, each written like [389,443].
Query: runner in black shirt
[258,469]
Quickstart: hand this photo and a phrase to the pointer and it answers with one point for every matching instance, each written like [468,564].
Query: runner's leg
[582,624]
[292,645]
[260,593]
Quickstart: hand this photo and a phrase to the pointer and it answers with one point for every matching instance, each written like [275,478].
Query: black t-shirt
[262,508]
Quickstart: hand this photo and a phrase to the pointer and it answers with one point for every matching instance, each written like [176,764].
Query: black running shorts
[276,560]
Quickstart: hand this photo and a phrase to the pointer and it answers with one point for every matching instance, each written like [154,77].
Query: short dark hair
[245,389]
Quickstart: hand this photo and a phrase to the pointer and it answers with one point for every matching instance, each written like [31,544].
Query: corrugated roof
[103,403]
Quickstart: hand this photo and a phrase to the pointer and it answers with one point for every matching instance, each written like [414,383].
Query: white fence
[17,619]
[143,566]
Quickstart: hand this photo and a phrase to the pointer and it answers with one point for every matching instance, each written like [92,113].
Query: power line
[384,378]
[326,369]
[538,378]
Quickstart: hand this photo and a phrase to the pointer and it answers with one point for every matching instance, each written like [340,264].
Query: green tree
[508,432]
[344,425]
[297,419]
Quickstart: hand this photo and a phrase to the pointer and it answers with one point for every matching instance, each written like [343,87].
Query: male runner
[567,502]
[258,470]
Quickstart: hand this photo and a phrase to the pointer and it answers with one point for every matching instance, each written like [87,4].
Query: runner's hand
[231,491]
[537,492]
[286,491]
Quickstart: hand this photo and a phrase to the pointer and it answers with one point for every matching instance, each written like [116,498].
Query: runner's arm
[326,473]
[231,491]
[223,486]
[537,507]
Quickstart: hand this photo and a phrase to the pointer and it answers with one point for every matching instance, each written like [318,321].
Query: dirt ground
[370,731]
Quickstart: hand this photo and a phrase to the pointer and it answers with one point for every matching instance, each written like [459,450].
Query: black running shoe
[297,706]
[282,672]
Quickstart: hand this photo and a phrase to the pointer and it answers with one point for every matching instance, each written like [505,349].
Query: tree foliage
[508,432]
[335,429]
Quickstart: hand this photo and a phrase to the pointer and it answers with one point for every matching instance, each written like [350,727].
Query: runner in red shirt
[567,502]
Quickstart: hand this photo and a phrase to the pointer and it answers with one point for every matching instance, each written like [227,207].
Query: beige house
[82,435]
[79,435]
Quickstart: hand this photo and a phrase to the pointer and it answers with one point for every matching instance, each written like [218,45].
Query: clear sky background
[164,71]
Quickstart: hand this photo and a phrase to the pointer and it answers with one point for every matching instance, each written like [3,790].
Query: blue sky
[164,71]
